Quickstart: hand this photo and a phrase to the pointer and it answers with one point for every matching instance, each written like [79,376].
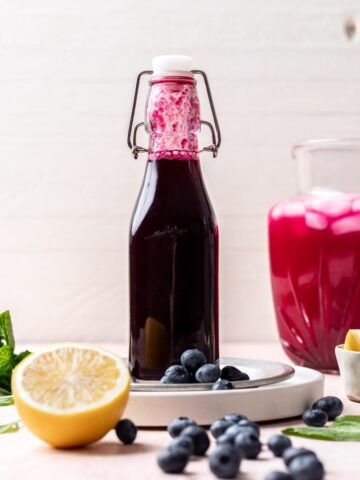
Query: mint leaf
[6,331]
[8,359]
[6,366]
[4,391]
[9,427]
[20,356]
[343,429]
[6,400]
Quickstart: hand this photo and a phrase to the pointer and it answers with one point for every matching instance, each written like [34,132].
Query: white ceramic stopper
[171,63]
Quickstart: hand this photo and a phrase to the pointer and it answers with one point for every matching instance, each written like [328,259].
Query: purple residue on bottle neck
[173,118]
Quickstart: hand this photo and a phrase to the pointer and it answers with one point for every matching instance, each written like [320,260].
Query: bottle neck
[173,118]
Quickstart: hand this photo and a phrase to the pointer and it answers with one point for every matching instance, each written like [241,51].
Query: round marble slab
[288,398]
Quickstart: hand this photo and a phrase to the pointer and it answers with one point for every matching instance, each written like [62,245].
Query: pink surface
[24,456]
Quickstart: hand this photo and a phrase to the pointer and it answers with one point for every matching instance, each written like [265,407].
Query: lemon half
[352,340]
[71,394]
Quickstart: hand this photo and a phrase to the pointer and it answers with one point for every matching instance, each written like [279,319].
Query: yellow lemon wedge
[71,394]
[352,340]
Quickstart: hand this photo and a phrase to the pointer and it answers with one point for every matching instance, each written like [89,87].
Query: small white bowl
[349,366]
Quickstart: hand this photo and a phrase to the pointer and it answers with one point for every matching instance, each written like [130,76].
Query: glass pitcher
[314,245]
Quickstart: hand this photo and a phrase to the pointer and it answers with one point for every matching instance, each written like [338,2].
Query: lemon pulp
[352,340]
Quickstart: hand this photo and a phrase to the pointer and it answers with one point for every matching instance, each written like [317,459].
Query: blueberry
[248,444]
[208,373]
[172,461]
[278,444]
[200,438]
[233,374]
[126,431]
[291,453]
[248,430]
[225,439]
[315,417]
[177,426]
[306,467]
[249,424]
[177,374]
[232,431]
[235,417]
[164,380]
[219,427]
[225,462]
[222,385]
[183,442]
[279,476]
[193,359]
[332,406]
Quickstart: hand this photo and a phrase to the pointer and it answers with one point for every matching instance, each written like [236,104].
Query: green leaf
[6,366]
[6,331]
[4,391]
[343,429]
[6,400]
[8,359]
[19,357]
[9,427]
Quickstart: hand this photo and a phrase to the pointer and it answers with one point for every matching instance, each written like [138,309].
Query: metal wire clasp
[214,129]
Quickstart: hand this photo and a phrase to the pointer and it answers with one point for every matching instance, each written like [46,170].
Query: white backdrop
[280,71]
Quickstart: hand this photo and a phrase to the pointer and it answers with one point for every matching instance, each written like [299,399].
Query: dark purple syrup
[173,269]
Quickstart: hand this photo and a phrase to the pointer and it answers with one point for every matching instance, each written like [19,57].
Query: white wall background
[280,71]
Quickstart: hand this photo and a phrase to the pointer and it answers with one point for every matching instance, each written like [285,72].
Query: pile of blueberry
[302,464]
[194,369]
[238,438]
[189,439]
[324,409]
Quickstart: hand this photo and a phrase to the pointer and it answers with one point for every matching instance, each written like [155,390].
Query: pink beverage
[174,234]
[314,243]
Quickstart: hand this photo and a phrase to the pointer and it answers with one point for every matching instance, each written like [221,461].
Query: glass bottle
[174,232]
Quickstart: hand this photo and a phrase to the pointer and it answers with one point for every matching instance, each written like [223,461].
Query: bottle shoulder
[162,216]
[173,193]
